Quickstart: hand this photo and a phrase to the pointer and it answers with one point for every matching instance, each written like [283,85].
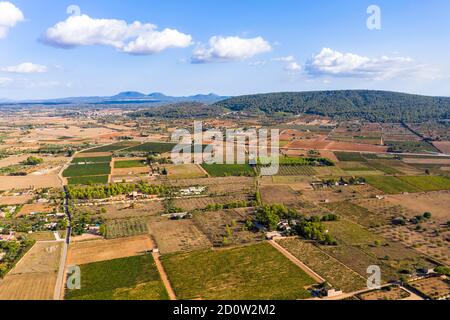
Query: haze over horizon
[101,48]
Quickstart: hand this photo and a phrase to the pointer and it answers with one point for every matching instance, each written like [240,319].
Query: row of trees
[116,189]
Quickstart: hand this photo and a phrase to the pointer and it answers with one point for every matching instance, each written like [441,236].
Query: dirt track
[297,262]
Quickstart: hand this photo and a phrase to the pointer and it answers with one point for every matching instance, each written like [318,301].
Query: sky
[59,48]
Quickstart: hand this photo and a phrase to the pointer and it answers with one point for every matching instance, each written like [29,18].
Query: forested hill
[381,106]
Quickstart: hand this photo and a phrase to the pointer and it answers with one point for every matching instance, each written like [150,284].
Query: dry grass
[101,250]
[174,236]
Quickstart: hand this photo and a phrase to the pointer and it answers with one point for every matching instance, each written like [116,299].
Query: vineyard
[125,228]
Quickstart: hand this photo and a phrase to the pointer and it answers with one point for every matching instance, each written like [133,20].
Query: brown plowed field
[103,250]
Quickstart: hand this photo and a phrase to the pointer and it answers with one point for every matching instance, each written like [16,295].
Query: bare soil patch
[435,287]
[438,203]
[28,286]
[31,181]
[278,195]
[14,200]
[444,146]
[177,235]
[101,250]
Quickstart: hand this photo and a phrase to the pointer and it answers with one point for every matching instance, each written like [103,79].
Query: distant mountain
[127,97]
[376,106]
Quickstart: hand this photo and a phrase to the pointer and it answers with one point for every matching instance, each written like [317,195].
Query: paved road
[62,263]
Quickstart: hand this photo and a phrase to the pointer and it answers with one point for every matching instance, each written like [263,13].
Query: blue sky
[183,47]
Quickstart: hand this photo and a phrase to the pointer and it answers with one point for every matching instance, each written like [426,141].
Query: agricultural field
[126,164]
[350,156]
[227,170]
[90,160]
[390,294]
[391,185]
[358,214]
[434,287]
[337,274]
[153,147]
[131,278]
[359,261]
[88,180]
[227,227]
[386,166]
[102,250]
[236,274]
[430,240]
[435,202]
[278,195]
[34,276]
[113,147]
[122,211]
[177,235]
[125,228]
[428,183]
[349,233]
[50,180]
[82,170]
[219,185]
[184,171]
[201,203]
[296,170]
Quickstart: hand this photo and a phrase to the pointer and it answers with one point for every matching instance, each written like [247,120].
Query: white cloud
[4,81]
[134,38]
[293,67]
[26,67]
[336,64]
[155,42]
[10,15]
[223,49]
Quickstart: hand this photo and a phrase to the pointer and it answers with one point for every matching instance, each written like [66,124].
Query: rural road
[164,277]
[300,264]
[62,263]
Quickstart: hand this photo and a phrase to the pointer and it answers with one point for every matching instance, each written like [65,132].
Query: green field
[92,160]
[133,278]
[113,147]
[411,184]
[243,273]
[88,180]
[428,183]
[391,185]
[350,156]
[227,170]
[82,170]
[384,167]
[350,233]
[129,164]
[357,214]
[153,147]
